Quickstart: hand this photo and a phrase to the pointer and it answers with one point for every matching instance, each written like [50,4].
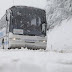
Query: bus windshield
[27,21]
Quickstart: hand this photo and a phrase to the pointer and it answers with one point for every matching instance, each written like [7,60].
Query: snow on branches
[58,10]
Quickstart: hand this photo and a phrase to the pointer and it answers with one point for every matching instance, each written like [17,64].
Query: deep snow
[60,38]
[24,60]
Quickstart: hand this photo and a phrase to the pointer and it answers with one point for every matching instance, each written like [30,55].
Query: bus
[23,26]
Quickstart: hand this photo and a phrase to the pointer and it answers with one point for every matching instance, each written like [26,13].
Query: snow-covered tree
[58,10]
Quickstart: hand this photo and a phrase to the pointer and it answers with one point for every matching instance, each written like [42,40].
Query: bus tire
[9,48]
[19,47]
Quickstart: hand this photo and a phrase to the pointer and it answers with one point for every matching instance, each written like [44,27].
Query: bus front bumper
[29,45]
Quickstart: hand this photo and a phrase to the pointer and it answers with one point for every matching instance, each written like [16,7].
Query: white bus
[23,26]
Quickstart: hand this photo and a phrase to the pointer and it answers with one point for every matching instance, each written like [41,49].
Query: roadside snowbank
[34,61]
[60,38]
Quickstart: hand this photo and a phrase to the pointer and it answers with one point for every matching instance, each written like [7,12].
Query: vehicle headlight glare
[44,41]
[14,38]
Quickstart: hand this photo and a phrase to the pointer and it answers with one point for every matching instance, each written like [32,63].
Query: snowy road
[24,60]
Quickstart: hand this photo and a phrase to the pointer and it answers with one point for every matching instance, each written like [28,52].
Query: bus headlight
[14,39]
[42,41]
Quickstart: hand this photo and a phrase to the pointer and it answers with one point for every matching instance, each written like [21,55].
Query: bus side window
[7,15]
[3,22]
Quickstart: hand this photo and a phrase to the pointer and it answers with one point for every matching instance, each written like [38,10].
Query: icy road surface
[24,60]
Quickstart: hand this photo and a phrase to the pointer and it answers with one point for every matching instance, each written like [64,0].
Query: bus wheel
[3,43]
[9,48]
[19,47]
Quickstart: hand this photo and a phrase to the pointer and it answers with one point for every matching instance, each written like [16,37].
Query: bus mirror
[6,18]
[43,27]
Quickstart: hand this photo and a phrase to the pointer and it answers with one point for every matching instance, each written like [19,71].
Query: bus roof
[27,7]
[27,10]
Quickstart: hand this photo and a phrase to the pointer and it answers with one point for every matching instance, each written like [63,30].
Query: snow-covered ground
[60,38]
[24,60]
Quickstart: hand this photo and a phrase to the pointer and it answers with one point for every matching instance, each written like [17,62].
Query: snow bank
[34,61]
[60,38]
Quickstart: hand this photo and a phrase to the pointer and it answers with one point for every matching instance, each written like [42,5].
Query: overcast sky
[5,4]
